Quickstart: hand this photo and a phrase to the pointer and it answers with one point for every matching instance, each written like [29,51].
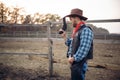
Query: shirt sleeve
[69,44]
[86,38]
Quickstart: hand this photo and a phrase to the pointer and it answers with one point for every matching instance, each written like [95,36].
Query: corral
[104,66]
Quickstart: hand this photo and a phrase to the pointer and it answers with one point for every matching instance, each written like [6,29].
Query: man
[79,44]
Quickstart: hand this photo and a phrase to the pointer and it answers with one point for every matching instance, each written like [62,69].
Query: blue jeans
[78,71]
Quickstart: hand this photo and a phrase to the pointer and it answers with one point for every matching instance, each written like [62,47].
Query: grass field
[104,66]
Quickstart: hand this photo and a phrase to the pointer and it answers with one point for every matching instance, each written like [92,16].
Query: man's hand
[63,35]
[70,60]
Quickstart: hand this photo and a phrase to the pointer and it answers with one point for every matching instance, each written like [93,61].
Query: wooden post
[50,49]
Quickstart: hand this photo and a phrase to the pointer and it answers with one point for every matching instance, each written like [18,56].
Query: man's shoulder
[87,29]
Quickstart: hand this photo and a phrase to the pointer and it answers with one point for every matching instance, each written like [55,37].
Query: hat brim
[82,17]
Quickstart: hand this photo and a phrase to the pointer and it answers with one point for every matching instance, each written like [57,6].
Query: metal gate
[49,54]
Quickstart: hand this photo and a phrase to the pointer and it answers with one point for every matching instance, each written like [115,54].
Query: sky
[93,9]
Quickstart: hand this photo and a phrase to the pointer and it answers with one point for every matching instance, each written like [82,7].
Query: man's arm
[68,42]
[86,39]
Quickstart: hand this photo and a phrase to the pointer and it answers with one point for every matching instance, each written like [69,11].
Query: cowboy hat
[77,12]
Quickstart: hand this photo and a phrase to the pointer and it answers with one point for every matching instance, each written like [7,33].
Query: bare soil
[104,66]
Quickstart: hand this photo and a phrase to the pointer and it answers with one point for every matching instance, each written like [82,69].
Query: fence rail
[23,34]
[103,21]
[28,53]
[33,34]
[49,35]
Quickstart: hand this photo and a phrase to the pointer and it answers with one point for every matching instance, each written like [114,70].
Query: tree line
[14,15]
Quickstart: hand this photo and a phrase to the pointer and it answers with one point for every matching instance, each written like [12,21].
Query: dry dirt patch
[104,66]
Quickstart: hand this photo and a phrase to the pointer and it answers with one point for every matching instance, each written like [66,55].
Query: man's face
[73,20]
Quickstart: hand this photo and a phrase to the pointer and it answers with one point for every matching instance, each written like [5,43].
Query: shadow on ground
[12,73]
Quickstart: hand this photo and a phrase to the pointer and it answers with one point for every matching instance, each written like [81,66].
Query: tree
[52,17]
[15,15]
[10,15]
[43,18]
[27,19]
[37,17]
[22,18]
[3,13]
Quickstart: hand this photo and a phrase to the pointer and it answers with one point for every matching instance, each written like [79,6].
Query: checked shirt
[86,39]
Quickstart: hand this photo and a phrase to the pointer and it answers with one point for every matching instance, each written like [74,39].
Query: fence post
[50,49]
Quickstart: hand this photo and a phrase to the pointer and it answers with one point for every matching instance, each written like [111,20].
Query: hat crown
[77,11]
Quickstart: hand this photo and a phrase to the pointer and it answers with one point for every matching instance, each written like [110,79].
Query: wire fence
[31,34]
[49,35]
[39,34]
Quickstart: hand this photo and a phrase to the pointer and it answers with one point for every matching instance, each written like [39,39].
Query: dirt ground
[104,66]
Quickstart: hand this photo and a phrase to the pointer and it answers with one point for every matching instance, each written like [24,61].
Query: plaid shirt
[86,38]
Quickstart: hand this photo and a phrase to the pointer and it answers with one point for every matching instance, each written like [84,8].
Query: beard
[74,24]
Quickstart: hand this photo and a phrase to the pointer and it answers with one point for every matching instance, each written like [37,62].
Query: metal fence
[39,34]
[25,34]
